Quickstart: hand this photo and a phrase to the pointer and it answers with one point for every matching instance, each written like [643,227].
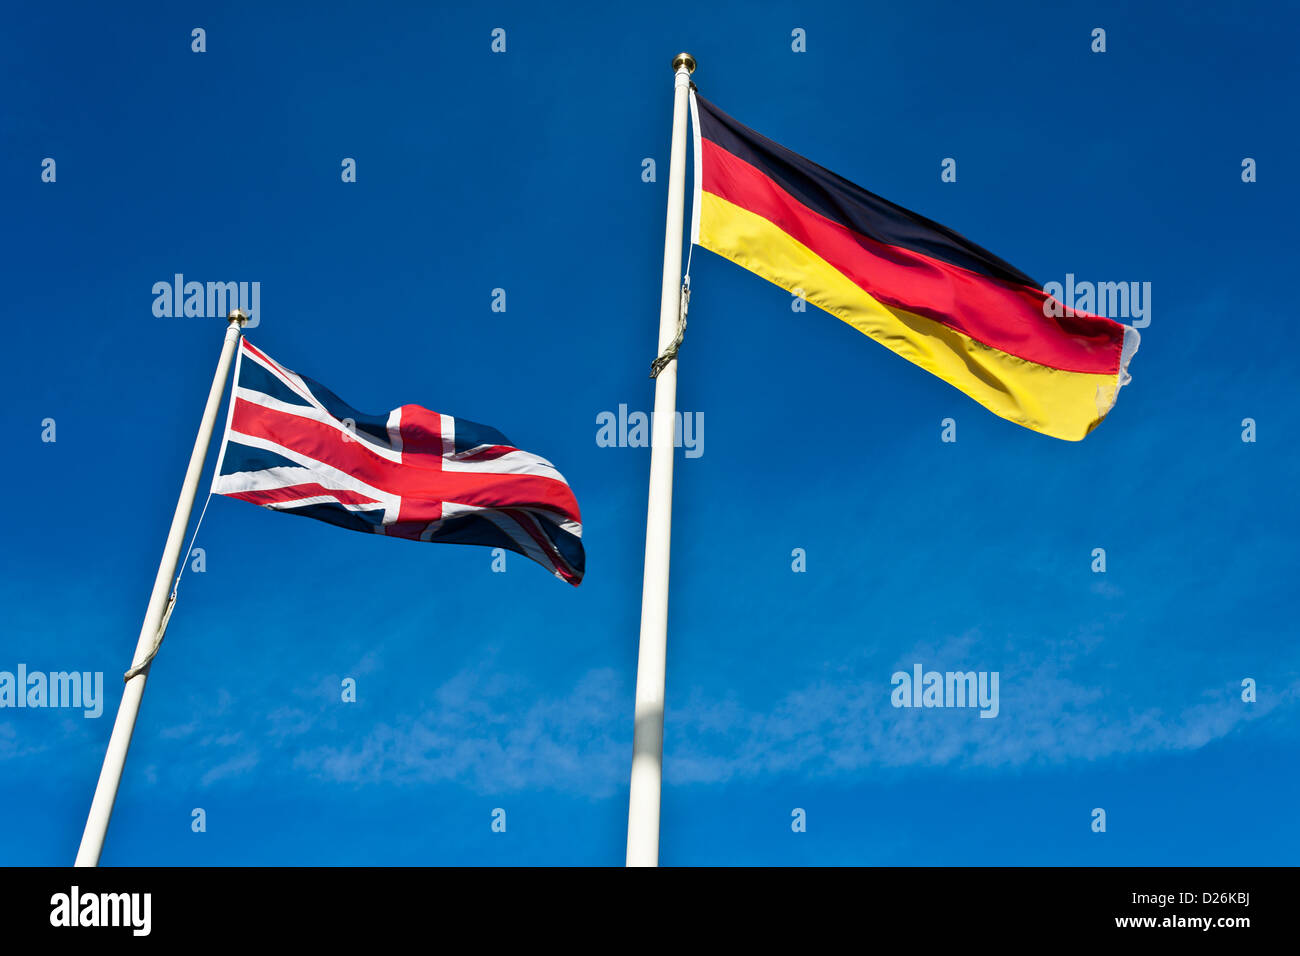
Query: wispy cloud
[494,731]
[237,765]
[476,730]
[13,745]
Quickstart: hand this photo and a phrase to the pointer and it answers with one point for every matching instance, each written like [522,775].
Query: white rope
[669,354]
[190,549]
[171,600]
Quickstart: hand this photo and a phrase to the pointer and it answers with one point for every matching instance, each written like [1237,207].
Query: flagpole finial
[238,316]
[684,60]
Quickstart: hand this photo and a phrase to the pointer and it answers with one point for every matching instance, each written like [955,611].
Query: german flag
[914,286]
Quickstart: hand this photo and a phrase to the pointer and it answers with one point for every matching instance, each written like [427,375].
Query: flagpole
[648,731]
[110,776]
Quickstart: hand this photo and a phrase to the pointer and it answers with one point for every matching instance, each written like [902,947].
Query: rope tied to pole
[670,353]
[171,602]
[157,642]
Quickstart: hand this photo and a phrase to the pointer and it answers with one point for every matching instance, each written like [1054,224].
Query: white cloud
[477,733]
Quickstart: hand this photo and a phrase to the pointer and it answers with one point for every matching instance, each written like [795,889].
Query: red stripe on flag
[488,453]
[525,521]
[999,314]
[268,496]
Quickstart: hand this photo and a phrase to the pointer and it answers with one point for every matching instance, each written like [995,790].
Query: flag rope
[670,353]
[171,600]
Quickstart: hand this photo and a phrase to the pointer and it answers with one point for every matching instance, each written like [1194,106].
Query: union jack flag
[292,445]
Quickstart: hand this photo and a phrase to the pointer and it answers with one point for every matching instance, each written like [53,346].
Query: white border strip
[699,172]
[230,414]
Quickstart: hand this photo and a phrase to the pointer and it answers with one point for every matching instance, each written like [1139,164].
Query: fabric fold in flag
[292,445]
[916,287]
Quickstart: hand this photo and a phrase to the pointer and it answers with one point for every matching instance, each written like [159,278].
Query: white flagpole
[101,807]
[648,732]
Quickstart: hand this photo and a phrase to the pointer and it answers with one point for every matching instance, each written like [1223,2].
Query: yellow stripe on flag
[1062,404]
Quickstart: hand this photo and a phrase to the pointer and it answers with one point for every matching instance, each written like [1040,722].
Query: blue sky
[522,171]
